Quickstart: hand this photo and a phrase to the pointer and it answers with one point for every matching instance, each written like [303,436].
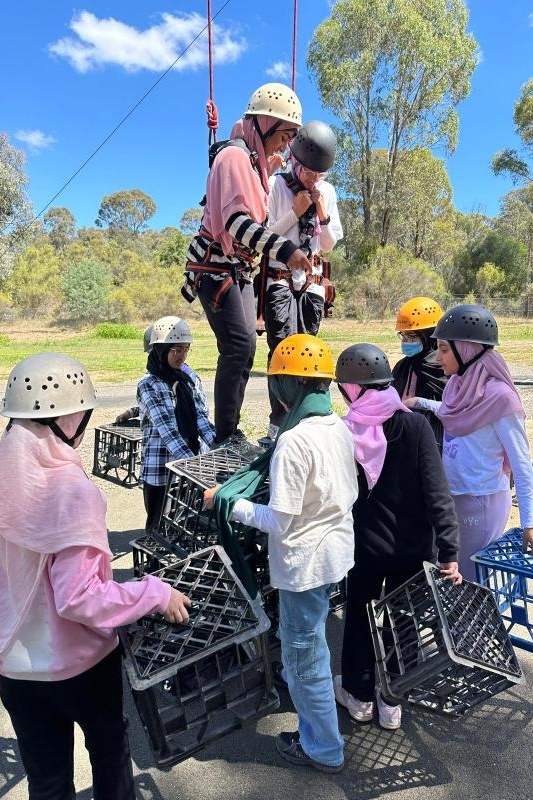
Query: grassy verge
[120,360]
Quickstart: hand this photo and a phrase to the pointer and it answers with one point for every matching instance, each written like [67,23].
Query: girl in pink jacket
[59,605]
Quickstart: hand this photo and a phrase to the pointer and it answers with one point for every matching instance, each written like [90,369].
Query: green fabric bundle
[307,401]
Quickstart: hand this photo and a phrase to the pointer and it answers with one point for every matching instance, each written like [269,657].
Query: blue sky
[72,73]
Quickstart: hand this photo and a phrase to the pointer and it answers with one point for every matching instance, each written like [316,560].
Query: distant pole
[294,41]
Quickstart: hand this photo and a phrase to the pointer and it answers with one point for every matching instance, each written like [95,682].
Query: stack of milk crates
[505,569]
[194,683]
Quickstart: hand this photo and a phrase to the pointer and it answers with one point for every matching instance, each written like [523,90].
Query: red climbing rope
[211,109]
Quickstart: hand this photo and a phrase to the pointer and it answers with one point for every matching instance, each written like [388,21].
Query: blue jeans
[306,661]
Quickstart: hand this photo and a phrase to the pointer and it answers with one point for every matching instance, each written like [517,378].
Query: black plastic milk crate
[117,453]
[197,682]
[150,555]
[441,647]
[508,572]
[184,520]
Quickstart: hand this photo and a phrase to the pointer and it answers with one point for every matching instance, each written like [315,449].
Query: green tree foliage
[15,209]
[34,285]
[490,280]
[150,292]
[392,71]
[391,278]
[60,225]
[85,287]
[509,161]
[127,211]
[516,220]
[172,252]
[190,221]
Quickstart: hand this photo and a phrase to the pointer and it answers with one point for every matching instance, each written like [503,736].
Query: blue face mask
[411,349]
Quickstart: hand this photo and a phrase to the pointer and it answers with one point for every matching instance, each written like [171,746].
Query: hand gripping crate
[508,572]
[441,647]
[187,525]
[117,453]
[197,682]
[150,555]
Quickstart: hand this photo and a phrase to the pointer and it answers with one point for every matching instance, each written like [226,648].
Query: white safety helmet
[48,385]
[276,100]
[170,330]
[147,337]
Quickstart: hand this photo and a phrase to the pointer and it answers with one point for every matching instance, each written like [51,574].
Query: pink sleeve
[85,592]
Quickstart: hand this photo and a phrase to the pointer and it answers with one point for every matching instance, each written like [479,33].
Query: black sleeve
[255,236]
[439,503]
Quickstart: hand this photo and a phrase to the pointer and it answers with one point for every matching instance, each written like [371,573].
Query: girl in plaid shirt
[174,413]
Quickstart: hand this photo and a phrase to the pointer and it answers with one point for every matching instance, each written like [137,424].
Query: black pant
[43,714]
[154,498]
[234,328]
[365,582]
[287,313]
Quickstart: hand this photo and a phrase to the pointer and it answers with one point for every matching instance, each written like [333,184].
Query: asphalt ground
[487,754]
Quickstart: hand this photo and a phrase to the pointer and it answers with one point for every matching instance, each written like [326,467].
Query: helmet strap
[462,365]
[264,136]
[54,427]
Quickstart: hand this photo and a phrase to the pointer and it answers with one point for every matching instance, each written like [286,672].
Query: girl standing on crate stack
[59,656]
[484,433]
[232,233]
[403,515]
[302,206]
[174,414]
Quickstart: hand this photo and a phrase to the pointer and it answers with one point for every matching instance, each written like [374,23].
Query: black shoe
[289,747]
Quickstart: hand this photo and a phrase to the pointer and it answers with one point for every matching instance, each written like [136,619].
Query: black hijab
[430,379]
[185,407]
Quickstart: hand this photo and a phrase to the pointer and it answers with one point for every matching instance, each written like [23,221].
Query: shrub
[85,289]
[116,330]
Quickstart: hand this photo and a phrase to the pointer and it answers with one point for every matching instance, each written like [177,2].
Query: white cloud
[280,70]
[36,140]
[100,42]
[531,19]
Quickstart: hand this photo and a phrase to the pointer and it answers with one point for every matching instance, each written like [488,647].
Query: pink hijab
[365,419]
[48,504]
[484,394]
[234,185]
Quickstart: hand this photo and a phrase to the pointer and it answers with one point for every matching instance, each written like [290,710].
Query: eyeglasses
[180,348]
[407,336]
[312,173]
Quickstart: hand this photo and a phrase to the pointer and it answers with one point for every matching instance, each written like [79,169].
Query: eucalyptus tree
[125,212]
[393,72]
[15,208]
[509,160]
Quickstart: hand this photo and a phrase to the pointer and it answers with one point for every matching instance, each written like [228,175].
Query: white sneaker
[358,711]
[272,431]
[390,717]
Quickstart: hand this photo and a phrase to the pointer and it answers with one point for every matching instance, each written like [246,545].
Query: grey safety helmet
[45,386]
[147,336]
[314,146]
[170,330]
[467,323]
[365,365]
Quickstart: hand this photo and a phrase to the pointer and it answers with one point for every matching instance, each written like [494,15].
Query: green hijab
[306,398]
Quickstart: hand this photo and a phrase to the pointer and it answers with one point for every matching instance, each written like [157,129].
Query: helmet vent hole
[28,387]
[44,386]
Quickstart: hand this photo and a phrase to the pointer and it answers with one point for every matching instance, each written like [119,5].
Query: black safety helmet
[364,364]
[314,146]
[467,323]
